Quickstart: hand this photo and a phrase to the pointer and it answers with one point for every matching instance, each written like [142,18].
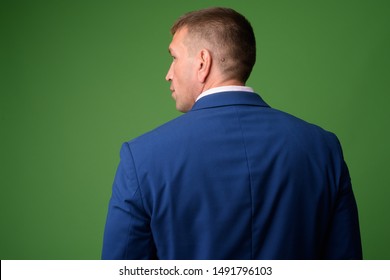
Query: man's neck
[221,83]
[223,89]
[230,82]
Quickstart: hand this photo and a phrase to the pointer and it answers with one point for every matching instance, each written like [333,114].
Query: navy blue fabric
[233,179]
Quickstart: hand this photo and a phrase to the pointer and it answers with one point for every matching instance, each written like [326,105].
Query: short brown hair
[229,33]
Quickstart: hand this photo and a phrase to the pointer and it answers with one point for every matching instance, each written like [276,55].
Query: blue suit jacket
[233,179]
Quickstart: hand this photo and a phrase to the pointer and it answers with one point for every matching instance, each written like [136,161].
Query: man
[232,178]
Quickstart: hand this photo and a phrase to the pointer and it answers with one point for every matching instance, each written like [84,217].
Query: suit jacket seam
[250,176]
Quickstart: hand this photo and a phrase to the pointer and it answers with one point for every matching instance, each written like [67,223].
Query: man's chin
[182,107]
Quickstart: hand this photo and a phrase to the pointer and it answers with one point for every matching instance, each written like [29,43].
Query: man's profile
[232,178]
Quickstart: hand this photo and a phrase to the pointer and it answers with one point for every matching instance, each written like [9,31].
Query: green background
[78,78]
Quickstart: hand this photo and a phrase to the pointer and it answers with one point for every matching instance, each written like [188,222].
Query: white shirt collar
[223,89]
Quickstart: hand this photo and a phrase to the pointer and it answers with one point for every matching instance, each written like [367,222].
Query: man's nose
[168,77]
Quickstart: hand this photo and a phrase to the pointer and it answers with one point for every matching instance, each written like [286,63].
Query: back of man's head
[227,34]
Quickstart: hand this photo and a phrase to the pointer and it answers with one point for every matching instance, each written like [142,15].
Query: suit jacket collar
[229,98]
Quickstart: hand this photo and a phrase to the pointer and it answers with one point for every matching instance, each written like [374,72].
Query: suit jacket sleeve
[127,233]
[344,241]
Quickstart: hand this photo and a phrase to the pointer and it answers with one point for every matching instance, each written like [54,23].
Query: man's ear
[205,61]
